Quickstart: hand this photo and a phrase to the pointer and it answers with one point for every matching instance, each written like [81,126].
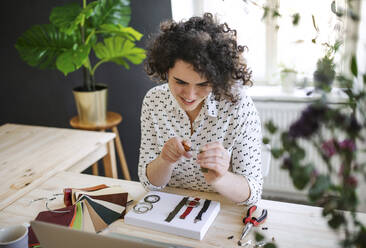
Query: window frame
[183,9]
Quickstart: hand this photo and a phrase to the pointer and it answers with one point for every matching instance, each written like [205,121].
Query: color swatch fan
[87,209]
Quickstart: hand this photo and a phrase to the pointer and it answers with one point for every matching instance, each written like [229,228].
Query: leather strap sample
[77,222]
[106,191]
[173,213]
[68,192]
[107,214]
[191,205]
[206,205]
[63,219]
[98,222]
[88,225]
[119,199]
[114,207]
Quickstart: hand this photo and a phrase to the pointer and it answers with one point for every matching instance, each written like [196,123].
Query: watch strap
[190,207]
[206,205]
[173,213]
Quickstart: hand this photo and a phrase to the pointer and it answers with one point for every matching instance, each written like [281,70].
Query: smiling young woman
[188,88]
[200,105]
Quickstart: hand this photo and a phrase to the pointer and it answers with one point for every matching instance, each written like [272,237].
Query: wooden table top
[291,225]
[29,155]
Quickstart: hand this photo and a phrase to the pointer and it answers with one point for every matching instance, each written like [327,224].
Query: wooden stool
[113,119]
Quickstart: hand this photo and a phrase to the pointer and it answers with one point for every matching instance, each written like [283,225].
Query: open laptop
[56,236]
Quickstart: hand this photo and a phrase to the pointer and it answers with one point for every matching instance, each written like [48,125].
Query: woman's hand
[216,159]
[173,150]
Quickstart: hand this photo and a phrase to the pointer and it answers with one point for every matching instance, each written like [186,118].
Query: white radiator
[283,109]
[278,183]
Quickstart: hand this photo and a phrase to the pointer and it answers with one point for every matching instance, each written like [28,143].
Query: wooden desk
[29,155]
[291,225]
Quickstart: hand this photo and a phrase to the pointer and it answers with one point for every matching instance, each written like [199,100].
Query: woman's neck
[192,115]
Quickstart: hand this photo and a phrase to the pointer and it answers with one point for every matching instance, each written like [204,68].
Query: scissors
[250,220]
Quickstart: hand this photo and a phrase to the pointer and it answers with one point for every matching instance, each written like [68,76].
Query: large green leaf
[271,127]
[72,59]
[40,45]
[118,49]
[68,17]
[320,186]
[126,32]
[301,176]
[112,12]
[354,68]
[277,152]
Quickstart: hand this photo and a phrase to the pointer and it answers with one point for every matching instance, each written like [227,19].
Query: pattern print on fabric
[236,126]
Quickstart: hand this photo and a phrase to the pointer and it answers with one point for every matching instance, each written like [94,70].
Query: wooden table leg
[109,161]
[95,169]
[121,155]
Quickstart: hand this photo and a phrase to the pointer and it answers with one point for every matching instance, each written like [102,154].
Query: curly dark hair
[211,48]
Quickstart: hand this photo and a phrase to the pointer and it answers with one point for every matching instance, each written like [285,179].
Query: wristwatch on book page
[191,204]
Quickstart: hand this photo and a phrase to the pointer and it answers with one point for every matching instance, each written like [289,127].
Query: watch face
[142,207]
[152,198]
[146,205]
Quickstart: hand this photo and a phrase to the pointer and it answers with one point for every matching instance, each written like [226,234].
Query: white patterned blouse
[236,126]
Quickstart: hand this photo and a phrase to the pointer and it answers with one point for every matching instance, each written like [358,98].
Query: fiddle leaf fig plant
[76,32]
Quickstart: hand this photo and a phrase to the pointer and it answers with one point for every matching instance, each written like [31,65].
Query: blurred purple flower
[352,181]
[329,148]
[308,123]
[347,144]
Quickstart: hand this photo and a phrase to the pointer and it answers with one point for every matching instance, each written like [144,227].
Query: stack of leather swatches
[87,209]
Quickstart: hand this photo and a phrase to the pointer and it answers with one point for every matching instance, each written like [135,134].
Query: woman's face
[188,87]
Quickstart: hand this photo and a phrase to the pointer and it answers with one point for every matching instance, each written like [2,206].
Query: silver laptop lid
[56,236]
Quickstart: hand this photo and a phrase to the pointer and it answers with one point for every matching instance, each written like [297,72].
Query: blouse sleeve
[148,148]
[246,154]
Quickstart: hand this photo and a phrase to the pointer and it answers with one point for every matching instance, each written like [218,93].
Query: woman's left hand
[216,159]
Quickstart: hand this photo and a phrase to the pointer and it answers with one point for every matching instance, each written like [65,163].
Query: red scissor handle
[255,221]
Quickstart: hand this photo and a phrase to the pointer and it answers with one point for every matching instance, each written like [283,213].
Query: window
[274,42]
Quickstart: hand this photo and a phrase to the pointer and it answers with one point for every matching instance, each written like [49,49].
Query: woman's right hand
[173,150]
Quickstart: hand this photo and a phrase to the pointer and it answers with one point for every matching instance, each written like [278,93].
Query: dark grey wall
[44,97]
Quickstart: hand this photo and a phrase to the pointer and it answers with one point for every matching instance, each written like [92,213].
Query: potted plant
[288,79]
[75,34]
[338,135]
[324,74]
